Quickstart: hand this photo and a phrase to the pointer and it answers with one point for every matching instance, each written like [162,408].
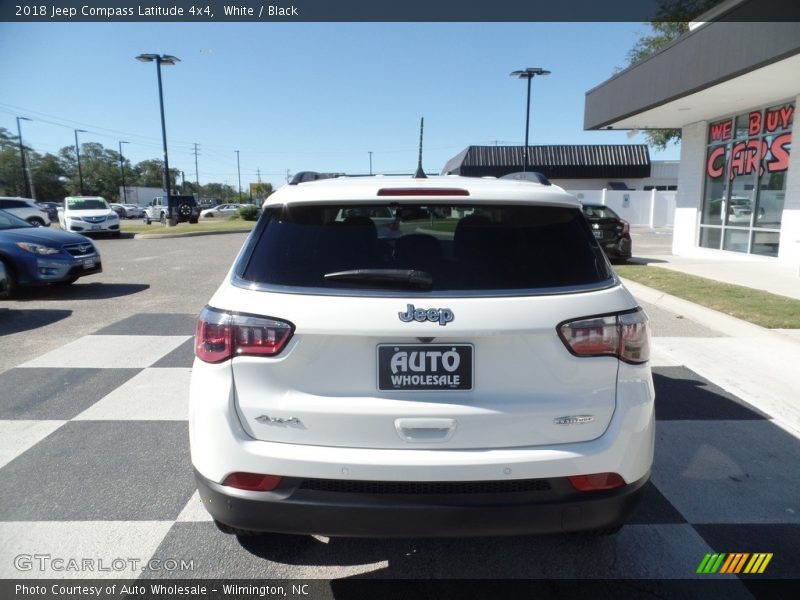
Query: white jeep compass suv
[421,357]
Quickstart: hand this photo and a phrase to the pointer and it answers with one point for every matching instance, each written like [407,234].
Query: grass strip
[204,226]
[756,306]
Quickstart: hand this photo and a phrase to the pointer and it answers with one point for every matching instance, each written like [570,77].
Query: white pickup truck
[88,214]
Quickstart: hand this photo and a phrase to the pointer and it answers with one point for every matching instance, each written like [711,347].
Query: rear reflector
[596,482]
[221,335]
[624,336]
[422,192]
[253,482]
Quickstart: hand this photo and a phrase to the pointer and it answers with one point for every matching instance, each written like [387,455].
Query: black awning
[555,162]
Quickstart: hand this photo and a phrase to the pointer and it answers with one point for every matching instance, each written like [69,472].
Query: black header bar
[280,11]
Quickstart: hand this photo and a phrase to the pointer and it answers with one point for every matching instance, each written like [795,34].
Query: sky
[306,96]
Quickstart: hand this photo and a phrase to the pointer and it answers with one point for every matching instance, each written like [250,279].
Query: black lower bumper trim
[291,509]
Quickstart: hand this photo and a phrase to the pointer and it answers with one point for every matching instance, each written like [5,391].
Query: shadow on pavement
[81,291]
[635,260]
[15,321]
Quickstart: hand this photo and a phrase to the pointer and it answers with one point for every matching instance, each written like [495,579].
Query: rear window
[418,247]
[599,212]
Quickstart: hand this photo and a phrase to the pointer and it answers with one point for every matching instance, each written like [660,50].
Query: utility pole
[26,181]
[258,172]
[288,175]
[196,173]
[239,174]
[370,162]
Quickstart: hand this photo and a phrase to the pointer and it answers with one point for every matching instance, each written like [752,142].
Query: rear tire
[164,219]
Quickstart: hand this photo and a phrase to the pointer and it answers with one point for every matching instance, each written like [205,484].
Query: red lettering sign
[721,131]
[715,166]
[752,155]
[780,153]
[780,118]
[755,123]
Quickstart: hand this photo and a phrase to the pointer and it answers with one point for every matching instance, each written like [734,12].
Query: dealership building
[732,88]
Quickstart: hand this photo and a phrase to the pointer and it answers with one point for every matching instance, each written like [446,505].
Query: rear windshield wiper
[391,276]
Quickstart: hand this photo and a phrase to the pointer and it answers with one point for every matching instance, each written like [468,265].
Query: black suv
[176,209]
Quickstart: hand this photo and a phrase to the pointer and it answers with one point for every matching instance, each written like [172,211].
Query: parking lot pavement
[94,462]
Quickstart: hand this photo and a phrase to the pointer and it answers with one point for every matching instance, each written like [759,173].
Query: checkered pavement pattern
[94,462]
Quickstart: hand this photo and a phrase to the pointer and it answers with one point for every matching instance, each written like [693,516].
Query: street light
[528,74]
[162,59]
[239,172]
[78,156]
[25,181]
[370,162]
[122,170]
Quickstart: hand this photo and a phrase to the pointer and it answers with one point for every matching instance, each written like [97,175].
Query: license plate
[598,234]
[88,263]
[96,227]
[425,367]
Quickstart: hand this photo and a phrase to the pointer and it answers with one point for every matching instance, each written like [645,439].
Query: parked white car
[26,209]
[483,373]
[88,215]
[223,211]
[133,211]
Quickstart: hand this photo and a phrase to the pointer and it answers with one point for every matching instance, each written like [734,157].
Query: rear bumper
[292,509]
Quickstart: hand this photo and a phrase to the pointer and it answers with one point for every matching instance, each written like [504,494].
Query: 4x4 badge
[442,315]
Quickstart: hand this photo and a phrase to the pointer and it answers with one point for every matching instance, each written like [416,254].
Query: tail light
[624,336]
[626,227]
[221,335]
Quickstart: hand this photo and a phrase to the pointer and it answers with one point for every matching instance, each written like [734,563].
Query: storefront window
[747,158]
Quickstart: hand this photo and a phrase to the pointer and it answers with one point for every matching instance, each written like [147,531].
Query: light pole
[25,181]
[122,170]
[161,59]
[78,156]
[528,74]
[370,162]
[239,173]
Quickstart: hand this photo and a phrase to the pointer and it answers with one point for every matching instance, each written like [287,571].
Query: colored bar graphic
[734,563]
[711,563]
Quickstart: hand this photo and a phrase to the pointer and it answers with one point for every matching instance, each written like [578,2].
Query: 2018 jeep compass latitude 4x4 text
[421,357]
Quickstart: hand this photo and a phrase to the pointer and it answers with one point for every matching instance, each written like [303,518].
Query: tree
[11,183]
[263,190]
[672,21]
[49,177]
[150,173]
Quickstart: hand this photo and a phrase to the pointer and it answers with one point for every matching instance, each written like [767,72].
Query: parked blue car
[41,255]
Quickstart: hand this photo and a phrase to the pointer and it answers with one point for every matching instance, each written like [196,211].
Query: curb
[767,384]
[153,236]
[713,319]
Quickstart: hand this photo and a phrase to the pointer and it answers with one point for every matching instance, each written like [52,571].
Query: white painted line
[194,511]
[18,436]
[152,395]
[121,547]
[110,351]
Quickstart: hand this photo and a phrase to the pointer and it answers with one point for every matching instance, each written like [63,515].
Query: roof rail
[304,176]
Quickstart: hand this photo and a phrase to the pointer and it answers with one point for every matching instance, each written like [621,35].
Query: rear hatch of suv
[417,322]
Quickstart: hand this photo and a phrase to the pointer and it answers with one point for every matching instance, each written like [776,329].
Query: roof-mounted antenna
[420,174]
